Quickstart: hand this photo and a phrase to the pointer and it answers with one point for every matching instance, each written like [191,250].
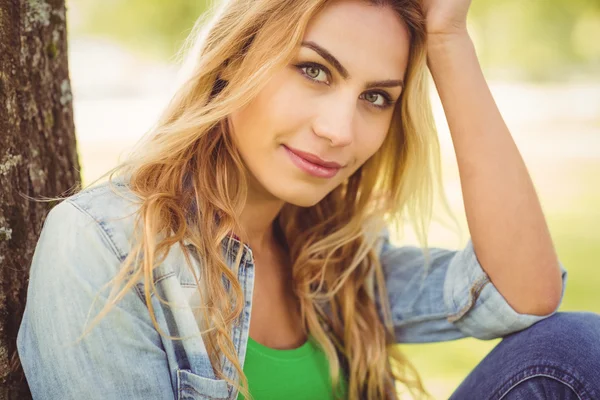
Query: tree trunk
[38,155]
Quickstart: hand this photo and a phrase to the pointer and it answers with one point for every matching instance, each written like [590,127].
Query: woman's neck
[257,220]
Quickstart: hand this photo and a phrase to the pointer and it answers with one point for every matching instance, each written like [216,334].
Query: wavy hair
[190,181]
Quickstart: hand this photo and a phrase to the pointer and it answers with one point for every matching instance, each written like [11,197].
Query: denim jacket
[87,236]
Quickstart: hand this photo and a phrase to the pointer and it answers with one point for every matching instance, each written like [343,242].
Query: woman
[242,251]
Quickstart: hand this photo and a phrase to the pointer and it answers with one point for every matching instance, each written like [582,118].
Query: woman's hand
[446,17]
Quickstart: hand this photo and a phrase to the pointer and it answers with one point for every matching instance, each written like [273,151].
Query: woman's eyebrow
[343,71]
[329,57]
[386,83]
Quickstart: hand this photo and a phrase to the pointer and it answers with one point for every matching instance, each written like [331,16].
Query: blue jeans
[556,358]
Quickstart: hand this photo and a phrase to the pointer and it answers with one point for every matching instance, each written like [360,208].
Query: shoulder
[110,206]
[106,215]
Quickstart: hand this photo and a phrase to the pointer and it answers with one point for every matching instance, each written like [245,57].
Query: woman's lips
[314,158]
[312,168]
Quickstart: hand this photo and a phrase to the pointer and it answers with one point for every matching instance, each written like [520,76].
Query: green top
[296,374]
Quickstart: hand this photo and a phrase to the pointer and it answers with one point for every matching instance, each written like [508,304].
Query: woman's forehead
[362,36]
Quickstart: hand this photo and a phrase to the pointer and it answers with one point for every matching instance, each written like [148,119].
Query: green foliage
[155,28]
[537,39]
[524,39]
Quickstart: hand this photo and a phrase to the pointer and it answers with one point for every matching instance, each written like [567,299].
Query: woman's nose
[335,122]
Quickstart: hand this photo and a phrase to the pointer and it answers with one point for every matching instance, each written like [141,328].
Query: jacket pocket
[195,387]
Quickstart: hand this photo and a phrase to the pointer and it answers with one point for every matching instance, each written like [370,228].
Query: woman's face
[321,117]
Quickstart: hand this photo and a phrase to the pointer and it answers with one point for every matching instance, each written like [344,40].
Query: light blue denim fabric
[83,242]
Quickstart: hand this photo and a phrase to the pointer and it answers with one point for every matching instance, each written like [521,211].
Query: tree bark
[38,155]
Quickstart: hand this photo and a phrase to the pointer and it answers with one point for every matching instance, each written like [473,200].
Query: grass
[443,366]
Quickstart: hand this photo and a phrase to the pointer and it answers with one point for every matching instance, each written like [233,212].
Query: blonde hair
[189,178]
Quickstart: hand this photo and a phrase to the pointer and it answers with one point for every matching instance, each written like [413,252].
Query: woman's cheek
[370,141]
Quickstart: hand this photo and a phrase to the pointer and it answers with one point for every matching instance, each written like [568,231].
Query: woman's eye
[314,72]
[377,99]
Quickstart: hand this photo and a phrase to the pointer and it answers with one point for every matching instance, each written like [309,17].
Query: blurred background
[541,59]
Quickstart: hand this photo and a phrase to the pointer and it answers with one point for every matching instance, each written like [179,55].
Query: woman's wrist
[441,41]
[442,48]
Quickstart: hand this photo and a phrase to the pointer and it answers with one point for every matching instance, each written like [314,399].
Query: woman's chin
[303,200]
[301,197]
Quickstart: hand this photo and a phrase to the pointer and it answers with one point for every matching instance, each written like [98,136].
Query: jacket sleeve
[122,357]
[452,299]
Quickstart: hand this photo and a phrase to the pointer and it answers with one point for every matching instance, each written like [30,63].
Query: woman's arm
[450,299]
[505,219]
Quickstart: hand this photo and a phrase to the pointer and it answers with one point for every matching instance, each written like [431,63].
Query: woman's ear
[227,72]
[218,87]
[223,78]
